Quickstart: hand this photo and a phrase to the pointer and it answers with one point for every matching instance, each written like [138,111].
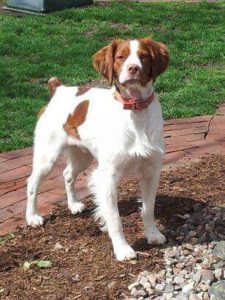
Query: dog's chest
[110,130]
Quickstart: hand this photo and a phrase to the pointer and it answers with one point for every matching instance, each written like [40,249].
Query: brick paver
[185,140]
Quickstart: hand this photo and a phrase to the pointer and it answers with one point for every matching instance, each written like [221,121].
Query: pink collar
[134,105]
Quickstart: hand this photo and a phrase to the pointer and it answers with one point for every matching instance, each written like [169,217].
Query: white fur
[132,59]
[120,140]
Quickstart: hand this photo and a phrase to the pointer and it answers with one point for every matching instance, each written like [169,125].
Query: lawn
[35,48]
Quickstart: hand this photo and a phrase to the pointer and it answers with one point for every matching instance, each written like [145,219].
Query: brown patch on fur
[41,111]
[121,54]
[76,119]
[53,83]
[82,90]
[146,60]
[159,56]
[103,60]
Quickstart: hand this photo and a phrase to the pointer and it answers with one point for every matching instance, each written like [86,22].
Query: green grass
[35,48]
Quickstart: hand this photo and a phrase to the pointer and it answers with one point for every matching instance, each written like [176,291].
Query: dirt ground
[83,266]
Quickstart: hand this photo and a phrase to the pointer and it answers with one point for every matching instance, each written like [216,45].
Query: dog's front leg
[104,182]
[150,180]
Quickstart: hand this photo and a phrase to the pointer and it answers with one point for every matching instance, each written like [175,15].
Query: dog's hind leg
[44,158]
[78,160]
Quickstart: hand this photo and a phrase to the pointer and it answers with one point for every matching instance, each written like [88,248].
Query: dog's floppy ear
[103,60]
[160,56]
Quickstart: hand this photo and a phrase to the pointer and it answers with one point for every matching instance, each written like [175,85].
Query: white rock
[147,285]
[207,275]
[189,246]
[169,288]
[144,273]
[203,286]
[182,296]
[205,261]
[132,285]
[187,288]
[169,279]
[162,273]
[218,273]
[197,277]
[168,262]
[137,293]
[111,284]
[152,279]
[198,267]
[160,286]
[180,265]
[206,296]
[183,272]
[172,253]
[194,297]
[150,291]
[143,280]
[58,246]
[133,291]
[168,296]
[178,280]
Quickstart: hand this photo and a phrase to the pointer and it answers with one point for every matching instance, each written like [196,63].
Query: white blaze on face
[132,59]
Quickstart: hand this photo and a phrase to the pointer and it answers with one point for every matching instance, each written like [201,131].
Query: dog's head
[132,61]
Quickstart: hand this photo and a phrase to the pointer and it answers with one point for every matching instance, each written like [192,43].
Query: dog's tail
[53,83]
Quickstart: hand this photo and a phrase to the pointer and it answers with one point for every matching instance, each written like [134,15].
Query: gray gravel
[194,260]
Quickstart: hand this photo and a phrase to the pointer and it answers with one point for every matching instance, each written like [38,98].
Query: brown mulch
[84,268]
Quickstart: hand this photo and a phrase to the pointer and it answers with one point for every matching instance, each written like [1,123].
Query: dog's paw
[125,253]
[34,220]
[155,237]
[77,207]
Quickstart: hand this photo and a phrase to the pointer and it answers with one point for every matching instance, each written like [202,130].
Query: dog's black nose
[133,69]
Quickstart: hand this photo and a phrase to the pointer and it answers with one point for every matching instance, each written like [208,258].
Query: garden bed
[81,262]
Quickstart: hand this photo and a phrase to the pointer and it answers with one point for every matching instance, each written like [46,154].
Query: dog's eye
[144,56]
[120,57]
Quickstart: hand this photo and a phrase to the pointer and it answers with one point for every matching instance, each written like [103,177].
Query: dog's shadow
[165,207]
[170,214]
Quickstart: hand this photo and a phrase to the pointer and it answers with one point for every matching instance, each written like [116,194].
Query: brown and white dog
[120,127]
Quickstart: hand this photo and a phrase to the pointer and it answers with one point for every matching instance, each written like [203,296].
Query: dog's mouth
[131,81]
